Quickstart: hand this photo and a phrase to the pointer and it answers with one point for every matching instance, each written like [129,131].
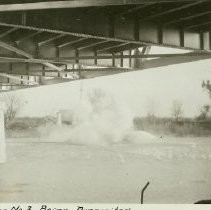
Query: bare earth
[179,171]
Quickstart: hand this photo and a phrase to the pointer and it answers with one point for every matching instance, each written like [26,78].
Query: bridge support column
[2,138]
[137,62]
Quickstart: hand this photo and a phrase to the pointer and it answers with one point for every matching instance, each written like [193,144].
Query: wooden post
[2,137]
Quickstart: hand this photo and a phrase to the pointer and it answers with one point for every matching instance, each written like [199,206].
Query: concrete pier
[2,138]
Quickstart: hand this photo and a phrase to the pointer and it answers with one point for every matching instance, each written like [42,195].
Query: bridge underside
[85,38]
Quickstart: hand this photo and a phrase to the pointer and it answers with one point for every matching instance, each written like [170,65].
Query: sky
[139,92]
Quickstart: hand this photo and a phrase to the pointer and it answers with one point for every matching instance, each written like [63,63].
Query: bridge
[74,39]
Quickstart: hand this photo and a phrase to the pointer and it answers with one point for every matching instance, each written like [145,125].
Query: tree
[207,86]
[176,110]
[206,108]
[204,112]
[12,106]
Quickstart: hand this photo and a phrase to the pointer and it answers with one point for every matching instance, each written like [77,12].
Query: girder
[153,16]
[46,35]
[113,47]
[50,39]
[188,17]
[199,25]
[109,45]
[99,42]
[125,48]
[16,6]
[27,55]
[151,39]
[132,10]
[7,32]
[72,42]
[63,60]
[30,34]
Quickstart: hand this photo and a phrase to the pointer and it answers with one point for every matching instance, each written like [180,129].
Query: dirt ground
[179,171]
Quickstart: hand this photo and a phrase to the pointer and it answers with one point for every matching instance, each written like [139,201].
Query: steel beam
[194,26]
[7,59]
[76,3]
[187,18]
[43,70]
[160,35]
[202,41]
[206,54]
[210,40]
[121,59]
[71,42]
[83,43]
[76,56]
[157,15]
[112,47]
[113,60]
[27,69]
[27,55]
[132,10]
[23,18]
[103,38]
[124,31]
[136,29]
[93,44]
[50,39]
[130,59]
[107,45]
[15,50]
[167,59]
[125,48]
[28,36]
[182,37]
[95,54]
[8,32]
[148,64]
[63,60]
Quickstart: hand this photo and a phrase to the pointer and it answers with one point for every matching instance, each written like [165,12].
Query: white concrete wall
[2,138]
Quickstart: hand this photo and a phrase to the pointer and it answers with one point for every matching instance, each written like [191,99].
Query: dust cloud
[97,120]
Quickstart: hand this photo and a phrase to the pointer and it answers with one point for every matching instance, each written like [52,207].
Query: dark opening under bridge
[76,38]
